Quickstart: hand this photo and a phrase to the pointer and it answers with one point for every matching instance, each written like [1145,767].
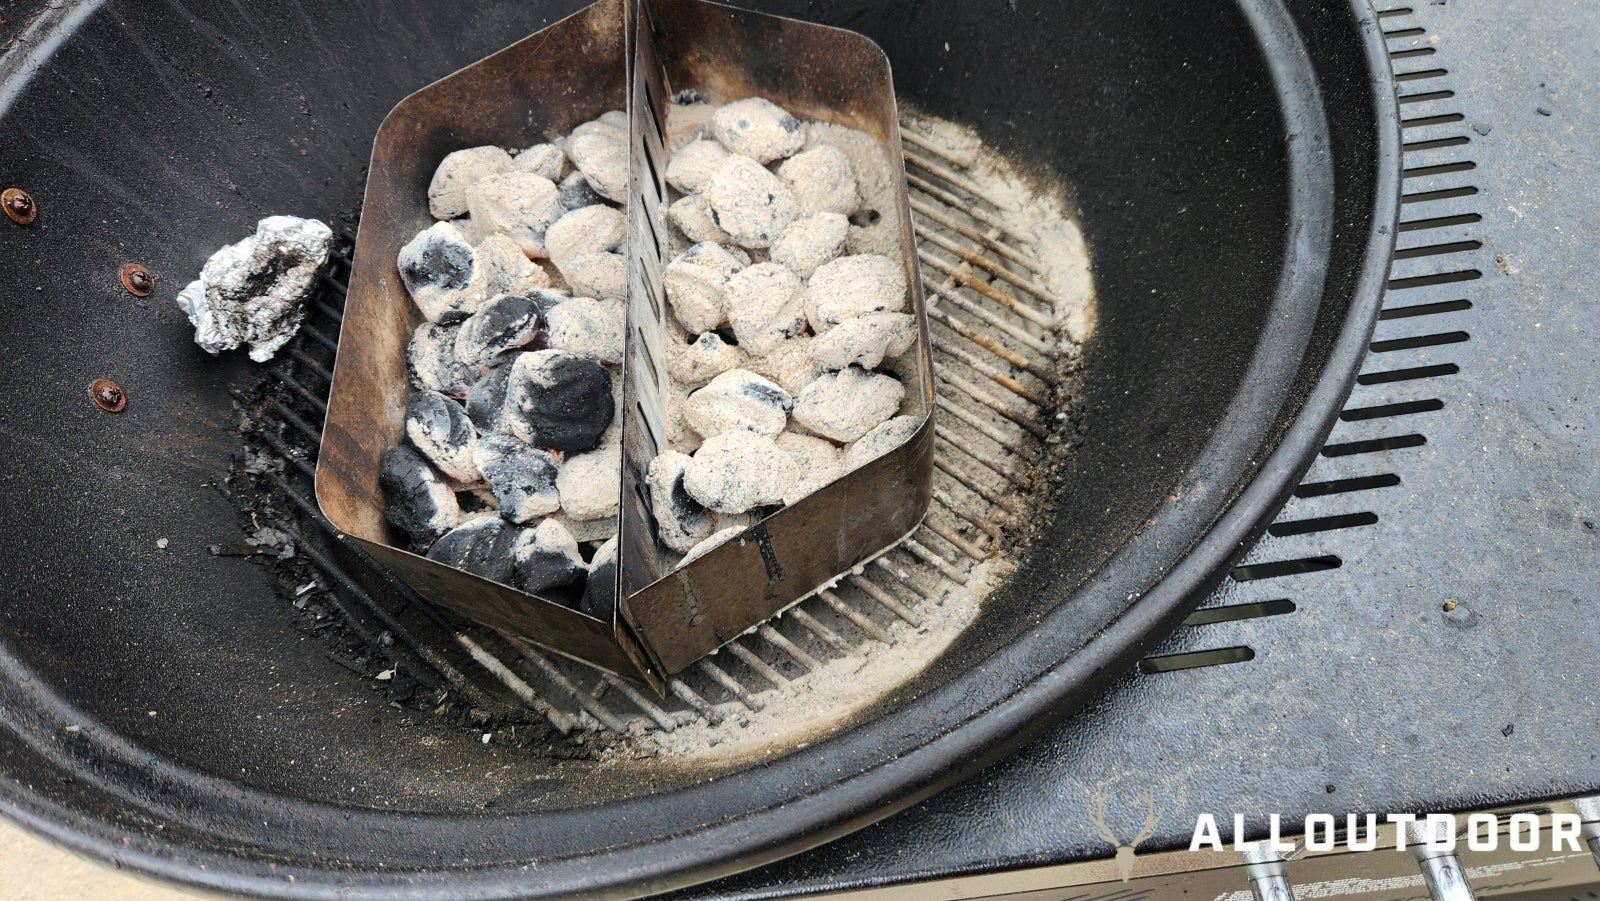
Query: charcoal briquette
[439,429]
[884,437]
[847,404]
[749,203]
[458,171]
[865,340]
[503,323]
[681,521]
[738,471]
[558,400]
[739,399]
[419,501]
[519,205]
[589,327]
[522,477]
[546,557]
[432,364]
[766,306]
[486,399]
[600,587]
[710,544]
[590,484]
[854,286]
[575,193]
[758,129]
[483,546]
[439,269]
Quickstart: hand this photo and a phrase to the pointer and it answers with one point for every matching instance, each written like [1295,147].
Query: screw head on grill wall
[19,206]
[138,280]
[108,395]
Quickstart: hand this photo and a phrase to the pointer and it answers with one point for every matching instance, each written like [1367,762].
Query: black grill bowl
[1236,169]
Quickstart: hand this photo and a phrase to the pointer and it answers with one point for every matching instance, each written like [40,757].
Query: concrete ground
[32,869]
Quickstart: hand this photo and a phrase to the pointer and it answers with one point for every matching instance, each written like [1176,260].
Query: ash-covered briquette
[595,228]
[522,477]
[811,241]
[482,546]
[866,340]
[545,558]
[506,270]
[520,205]
[681,521]
[432,363]
[816,463]
[739,399]
[588,327]
[750,203]
[601,154]
[854,286]
[600,587]
[692,166]
[847,404]
[545,160]
[757,128]
[253,291]
[791,365]
[693,217]
[766,306]
[822,180]
[693,363]
[505,322]
[439,429]
[439,269]
[458,171]
[884,437]
[421,504]
[486,399]
[603,275]
[715,541]
[558,400]
[738,471]
[696,282]
[591,484]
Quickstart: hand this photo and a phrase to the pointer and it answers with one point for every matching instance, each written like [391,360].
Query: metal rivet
[138,280]
[108,396]
[19,205]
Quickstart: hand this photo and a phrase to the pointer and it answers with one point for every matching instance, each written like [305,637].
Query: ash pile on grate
[789,314]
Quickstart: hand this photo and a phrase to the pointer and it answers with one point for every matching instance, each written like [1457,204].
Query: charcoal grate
[1004,380]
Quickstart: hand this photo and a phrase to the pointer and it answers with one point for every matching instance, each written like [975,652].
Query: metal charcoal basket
[622,53]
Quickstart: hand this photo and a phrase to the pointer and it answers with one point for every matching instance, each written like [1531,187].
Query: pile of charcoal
[790,316]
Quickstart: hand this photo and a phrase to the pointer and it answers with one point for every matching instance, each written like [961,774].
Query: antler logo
[1125,852]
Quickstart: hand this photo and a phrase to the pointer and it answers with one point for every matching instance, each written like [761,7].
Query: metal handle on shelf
[1442,871]
[1269,877]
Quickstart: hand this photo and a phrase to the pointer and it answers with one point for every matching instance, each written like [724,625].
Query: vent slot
[1341,486]
[1403,408]
[1402,375]
[1414,342]
[1235,612]
[1277,569]
[1321,524]
[1170,663]
[1426,309]
[1373,446]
